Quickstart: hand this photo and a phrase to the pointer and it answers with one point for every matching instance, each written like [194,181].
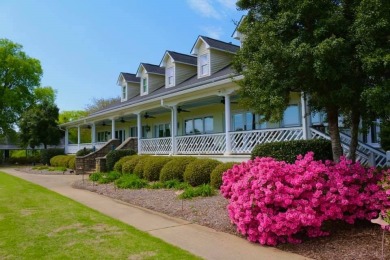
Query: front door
[120,134]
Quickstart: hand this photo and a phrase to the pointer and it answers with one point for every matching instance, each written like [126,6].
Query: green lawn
[36,223]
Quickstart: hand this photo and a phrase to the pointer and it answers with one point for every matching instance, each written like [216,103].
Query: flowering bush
[275,202]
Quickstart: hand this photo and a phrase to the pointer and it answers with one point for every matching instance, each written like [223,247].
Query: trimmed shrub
[130,181]
[118,165]
[139,168]
[289,150]
[96,176]
[198,171]
[114,156]
[47,154]
[60,160]
[84,151]
[174,170]
[216,174]
[72,162]
[153,166]
[128,166]
[274,202]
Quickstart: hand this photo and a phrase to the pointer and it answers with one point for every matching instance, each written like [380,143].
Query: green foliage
[84,151]
[20,74]
[45,95]
[68,116]
[216,174]
[171,184]
[96,176]
[109,177]
[175,168]
[385,135]
[130,181]
[128,166]
[38,125]
[288,151]
[24,160]
[198,171]
[72,162]
[114,156]
[139,168]
[61,160]
[205,190]
[47,154]
[118,165]
[153,166]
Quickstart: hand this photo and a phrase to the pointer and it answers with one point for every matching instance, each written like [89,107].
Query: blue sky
[84,45]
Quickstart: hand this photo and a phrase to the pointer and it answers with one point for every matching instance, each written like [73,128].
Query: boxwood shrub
[287,151]
[72,162]
[216,174]
[128,166]
[61,160]
[47,154]
[119,164]
[174,170]
[198,171]
[153,166]
[84,151]
[114,156]
[139,168]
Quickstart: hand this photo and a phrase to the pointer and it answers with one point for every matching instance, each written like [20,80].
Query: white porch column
[78,137]
[227,125]
[174,128]
[113,128]
[305,117]
[93,134]
[139,131]
[66,141]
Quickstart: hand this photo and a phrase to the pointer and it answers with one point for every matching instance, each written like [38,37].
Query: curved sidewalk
[199,240]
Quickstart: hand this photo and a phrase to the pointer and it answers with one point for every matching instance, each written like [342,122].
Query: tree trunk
[355,121]
[334,133]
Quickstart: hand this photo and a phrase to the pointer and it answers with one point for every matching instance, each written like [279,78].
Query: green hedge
[289,150]
[23,160]
[67,161]
[216,174]
[72,162]
[114,156]
[198,171]
[84,151]
[47,154]
[139,168]
[174,170]
[119,164]
[128,166]
[153,166]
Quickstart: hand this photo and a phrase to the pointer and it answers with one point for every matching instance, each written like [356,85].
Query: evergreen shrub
[119,164]
[153,166]
[114,156]
[198,171]
[216,174]
[47,154]
[174,170]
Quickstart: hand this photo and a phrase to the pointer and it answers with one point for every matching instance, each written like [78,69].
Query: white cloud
[205,8]
[213,32]
[230,4]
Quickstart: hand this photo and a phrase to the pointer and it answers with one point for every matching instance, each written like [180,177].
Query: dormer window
[204,65]
[170,77]
[124,93]
[144,86]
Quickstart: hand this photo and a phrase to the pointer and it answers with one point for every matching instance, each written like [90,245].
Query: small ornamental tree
[274,202]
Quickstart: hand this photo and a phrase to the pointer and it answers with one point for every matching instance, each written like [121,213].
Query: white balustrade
[245,141]
[201,144]
[156,146]
[73,148]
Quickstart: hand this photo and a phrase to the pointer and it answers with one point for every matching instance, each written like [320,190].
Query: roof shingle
[129,77]
[153,69]
[220,45]
[183,58]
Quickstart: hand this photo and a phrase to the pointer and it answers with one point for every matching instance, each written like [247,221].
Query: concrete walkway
[199,240]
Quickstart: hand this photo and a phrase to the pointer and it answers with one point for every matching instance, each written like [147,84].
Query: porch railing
[245,141]
[156,145]
[73,148]
[201,144]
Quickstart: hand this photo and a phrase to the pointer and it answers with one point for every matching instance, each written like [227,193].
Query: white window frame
[201,65]
[143,92]
[124,93]
[202,131]
[172,83]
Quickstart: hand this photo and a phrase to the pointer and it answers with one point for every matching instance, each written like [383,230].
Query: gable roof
[179,58]
[215,44]
[130,77]
[151,69]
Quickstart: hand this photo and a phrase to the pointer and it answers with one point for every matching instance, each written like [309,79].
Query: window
[291,116]
[204,65]
[243,121]
[124,93]
[170,77]
[145,130]
[120,134]
[162,130]
[144,86]
[203,125]
[133,131]
[103,136]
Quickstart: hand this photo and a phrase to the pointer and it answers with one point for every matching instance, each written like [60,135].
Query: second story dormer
[151,77]
[129,84]
[212,55]
[178,67]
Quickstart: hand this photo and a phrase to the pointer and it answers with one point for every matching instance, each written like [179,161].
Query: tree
[67,116]
[38,125]
[100,103]
[308,46]
[19,75]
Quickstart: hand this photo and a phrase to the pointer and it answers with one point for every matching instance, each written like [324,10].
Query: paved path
[199,240]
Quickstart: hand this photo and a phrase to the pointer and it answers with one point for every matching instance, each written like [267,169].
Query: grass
[204,190]
[36,223]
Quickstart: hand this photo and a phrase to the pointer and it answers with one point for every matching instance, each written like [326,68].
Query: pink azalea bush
[274,202]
